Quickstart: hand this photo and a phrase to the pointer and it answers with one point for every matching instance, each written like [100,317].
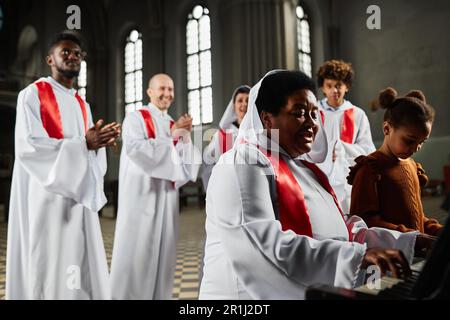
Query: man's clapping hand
[182,127]
[100,135]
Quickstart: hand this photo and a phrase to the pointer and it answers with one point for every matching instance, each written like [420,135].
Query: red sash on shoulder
[83,110]
[325,183]
[50,115]
[348,126]
[149,125]
[322,116]
[225,140]
[291,200]
[175,141]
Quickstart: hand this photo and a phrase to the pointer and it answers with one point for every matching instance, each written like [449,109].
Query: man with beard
[55,248]
[157,158]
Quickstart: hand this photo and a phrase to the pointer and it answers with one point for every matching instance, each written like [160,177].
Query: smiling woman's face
[296,125]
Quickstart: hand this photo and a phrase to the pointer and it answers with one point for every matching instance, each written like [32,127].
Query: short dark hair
[66,35]
[240,89]
[277,87]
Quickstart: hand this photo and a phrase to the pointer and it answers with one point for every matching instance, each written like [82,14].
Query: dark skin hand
[100,136]
[391,260]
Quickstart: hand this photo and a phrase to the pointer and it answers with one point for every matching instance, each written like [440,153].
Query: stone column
[253,40]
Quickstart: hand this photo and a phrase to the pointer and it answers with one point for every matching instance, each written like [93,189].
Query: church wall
[411,51]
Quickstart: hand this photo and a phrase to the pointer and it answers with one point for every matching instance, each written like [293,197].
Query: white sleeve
[363,144]
[157,158]
[191,159]
[210,158]
[65,167]
[268,261]
[101,153]
[211,154]
[383,238]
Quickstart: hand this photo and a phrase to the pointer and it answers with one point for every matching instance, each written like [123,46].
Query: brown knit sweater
[386,193]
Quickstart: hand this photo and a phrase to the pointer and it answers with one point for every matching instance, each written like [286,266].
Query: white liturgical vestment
[55,247]
[348,131]
[247,254]
[151,171]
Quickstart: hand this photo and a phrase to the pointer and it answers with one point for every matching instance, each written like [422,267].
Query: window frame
[202,108]
[299,50]
[81,86]
[135,104]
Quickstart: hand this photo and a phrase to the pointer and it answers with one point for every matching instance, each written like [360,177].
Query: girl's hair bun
[387,97]
[417,94]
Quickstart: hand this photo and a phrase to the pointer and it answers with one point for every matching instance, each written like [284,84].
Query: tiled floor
[189,250]
[190,246]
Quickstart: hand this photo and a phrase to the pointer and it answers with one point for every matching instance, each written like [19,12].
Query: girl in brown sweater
[387,183]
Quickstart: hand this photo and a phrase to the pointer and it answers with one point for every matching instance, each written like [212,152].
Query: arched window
[133,71]
[82,80]
[303,42]
[199,74]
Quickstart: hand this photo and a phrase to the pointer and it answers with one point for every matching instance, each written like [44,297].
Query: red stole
[83,110]
[322,117]
[225,140]
[50,115]
[347,125]
[291,200]
[175,140]
[150,127]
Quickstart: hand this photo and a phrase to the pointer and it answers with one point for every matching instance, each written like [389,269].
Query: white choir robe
[248,256]
[55,246]
[212,153]
[144,253]
[362,144]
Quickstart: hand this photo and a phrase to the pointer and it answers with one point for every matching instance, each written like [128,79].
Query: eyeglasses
[79,54]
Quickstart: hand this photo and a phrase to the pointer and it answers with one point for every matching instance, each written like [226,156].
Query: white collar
[155,110]
[59,86]
[324,104]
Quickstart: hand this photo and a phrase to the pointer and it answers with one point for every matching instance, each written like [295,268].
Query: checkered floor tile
[189,251]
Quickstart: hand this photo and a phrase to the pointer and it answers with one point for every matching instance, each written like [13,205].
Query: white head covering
[229,116]
[251,129]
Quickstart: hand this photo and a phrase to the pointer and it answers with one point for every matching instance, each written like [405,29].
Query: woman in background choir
[223,139]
